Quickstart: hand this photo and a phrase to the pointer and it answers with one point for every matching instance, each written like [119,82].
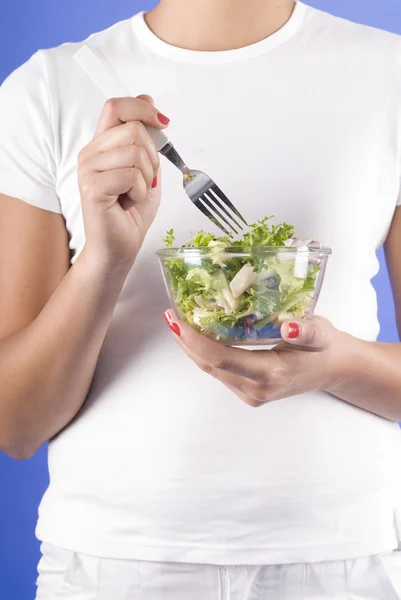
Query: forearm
[370,377]
[47,368]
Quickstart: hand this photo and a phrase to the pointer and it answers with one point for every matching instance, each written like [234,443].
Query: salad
[243,289]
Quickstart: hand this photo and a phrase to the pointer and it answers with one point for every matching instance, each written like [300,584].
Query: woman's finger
[122,110]
[247,390]
[128,134]
[109,185]
[146,98]
[123,158]
[213,355]
[313,334]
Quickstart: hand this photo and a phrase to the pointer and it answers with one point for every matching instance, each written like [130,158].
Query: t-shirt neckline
[147,37]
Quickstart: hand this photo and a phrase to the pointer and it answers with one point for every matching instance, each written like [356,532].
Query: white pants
[65,574]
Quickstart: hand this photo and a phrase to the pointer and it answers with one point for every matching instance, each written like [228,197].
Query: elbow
[19,452]
[16,441]
[17,449]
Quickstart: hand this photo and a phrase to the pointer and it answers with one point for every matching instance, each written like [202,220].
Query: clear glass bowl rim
[242,251]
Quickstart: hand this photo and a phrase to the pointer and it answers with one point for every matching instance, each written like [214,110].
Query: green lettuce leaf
[169,238]
[261,233]
[201,289]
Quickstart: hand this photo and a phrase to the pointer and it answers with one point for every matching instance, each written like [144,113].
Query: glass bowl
[241,296]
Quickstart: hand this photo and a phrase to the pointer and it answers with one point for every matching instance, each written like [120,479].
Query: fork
[199,187]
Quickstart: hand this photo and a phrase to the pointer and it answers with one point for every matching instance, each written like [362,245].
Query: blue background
[25,26]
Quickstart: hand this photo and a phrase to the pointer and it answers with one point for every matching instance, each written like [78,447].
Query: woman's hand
[118,181]
[314,356]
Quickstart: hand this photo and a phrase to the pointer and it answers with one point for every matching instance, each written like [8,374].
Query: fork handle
[111,87]
[159,138]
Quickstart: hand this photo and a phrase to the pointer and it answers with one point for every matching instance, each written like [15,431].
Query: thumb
[313,333]
[146,98]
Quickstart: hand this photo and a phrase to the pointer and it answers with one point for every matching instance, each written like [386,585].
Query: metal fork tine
[208,214]
[208,200]
[216,200]
[224,198]
[197,184]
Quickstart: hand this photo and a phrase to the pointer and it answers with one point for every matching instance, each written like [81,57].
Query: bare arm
[53,319]
[392,249]
[52,323]
[374,378]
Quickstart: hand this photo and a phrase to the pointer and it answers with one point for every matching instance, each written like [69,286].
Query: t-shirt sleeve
[27,148]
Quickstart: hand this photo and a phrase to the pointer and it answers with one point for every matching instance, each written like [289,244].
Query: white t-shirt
[164,462]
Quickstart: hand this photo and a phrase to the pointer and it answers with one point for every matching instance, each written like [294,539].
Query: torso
[163,462]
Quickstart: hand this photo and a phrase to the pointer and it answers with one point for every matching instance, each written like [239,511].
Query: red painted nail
[173,326]
[293,331]
[154,182]
[175,329]
[163,119]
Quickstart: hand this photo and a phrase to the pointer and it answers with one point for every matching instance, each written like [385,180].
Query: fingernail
[163,119]
[173,326]
[154,182]
[293,331]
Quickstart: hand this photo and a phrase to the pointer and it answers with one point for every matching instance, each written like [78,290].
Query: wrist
[346,362]
[100,265]
[99,274]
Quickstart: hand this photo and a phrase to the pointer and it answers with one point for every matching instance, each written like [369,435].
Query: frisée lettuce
[232,290]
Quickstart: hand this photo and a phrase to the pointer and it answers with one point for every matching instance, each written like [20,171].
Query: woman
[164,482]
